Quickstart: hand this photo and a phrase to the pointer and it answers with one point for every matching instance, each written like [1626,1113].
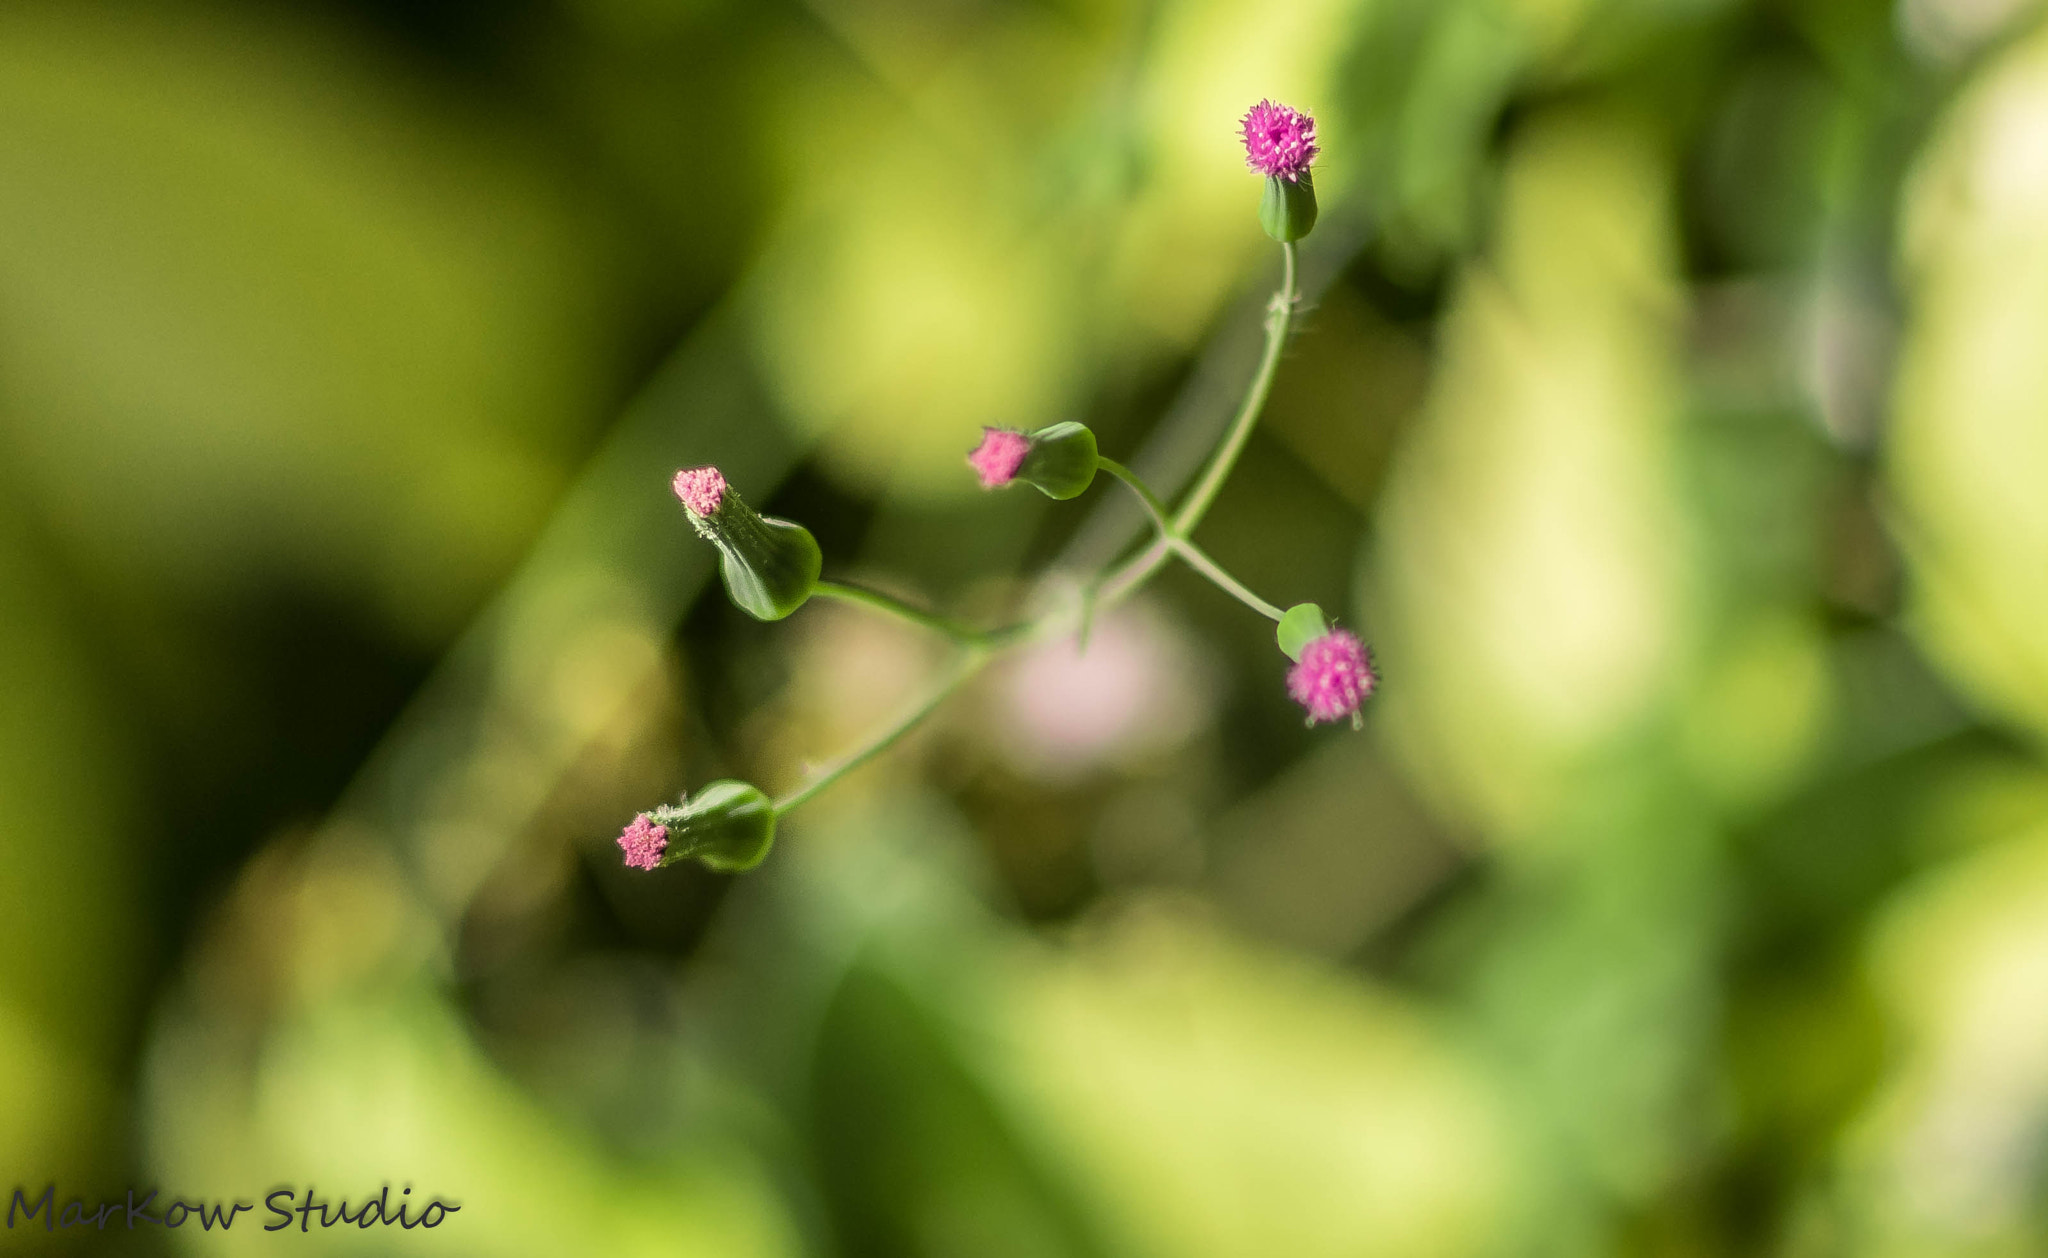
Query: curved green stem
[1200,562]
[969,664]
[890,605]
[1153,506]
[1138,569]
[1197,558]
[1279,315]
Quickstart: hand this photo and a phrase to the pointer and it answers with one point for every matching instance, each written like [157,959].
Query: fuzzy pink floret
[644,842]
[999,455]
[1279,141]
[701,489]
[1334,676]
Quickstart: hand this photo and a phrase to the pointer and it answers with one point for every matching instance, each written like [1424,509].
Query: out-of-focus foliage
[1535,546]
[1668,412]
[1971,450]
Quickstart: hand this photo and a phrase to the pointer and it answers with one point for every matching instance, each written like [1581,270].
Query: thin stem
[1279,315]
[1197,558]
[1153,506]
[1200,562]
[970,663]
[1124,582]
[896,607]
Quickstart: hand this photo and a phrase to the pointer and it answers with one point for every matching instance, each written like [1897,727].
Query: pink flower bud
[1279,142]
[643,842]
[999,455]
[1334,676]
[700,489]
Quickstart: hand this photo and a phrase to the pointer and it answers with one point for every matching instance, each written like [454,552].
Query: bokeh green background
[1670,411]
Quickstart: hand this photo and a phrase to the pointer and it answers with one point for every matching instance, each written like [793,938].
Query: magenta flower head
[1333,676]
[643,842]
[1279,142]
[700,490]
[999,455]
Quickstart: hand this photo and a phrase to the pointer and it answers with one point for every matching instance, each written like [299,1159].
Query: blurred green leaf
[1970,452]
[272,306]
[1533,591]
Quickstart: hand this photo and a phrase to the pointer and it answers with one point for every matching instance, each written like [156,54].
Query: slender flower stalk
[1125,580]
[888,604]
[1158,510]
[1279,318]
[970,662]
[1199,560]
[1196,557]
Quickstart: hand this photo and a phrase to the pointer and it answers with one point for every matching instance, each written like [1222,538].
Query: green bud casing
[728,825]
[771,575]
[770,566]
[1302,624]
[1288,209]
[1061,461]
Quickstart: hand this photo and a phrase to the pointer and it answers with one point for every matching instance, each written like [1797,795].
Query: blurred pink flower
[999,455]
[1141,687]
[643,842]
[1334,676]
[1279,141]
[700,489]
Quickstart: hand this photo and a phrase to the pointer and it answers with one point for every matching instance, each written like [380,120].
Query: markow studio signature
[371,1212]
